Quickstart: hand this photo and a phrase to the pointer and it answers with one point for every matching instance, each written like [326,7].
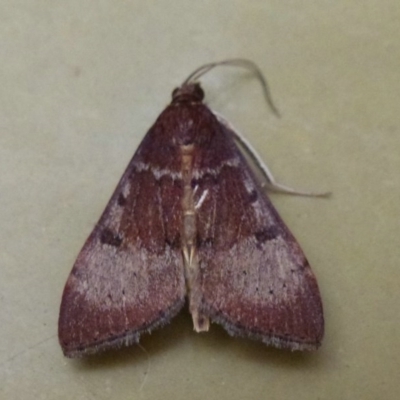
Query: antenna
[241,63]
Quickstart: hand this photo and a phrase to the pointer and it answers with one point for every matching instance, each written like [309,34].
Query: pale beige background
[82,81]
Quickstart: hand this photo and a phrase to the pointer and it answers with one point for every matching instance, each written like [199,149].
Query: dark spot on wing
[108,237]
[173,242]
[266,234]
[204,242]
[299,267]
[303,266]
[253,196]
[121,200]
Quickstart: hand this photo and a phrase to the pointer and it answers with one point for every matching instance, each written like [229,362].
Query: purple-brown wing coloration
[253,277]
[129,278]
[189,218]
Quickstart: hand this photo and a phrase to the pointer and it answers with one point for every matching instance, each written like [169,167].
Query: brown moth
[189,219]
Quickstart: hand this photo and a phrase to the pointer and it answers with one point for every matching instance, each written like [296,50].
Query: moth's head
[189,92]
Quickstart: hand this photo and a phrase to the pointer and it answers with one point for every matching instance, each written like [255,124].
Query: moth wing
[253,279]
[128,278]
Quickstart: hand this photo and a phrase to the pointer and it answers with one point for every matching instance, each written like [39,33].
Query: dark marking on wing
[121,200]
[253,196]
[110,238]
[266,234]
[204,242]
[173,242]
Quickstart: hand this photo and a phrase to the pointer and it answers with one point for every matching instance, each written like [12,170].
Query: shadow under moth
[190,220]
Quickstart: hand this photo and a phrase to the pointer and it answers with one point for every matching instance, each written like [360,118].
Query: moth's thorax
[187,119]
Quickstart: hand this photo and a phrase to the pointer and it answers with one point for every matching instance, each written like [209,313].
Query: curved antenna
[241,63]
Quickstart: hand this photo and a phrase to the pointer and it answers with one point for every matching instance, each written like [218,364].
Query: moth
[190,220]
